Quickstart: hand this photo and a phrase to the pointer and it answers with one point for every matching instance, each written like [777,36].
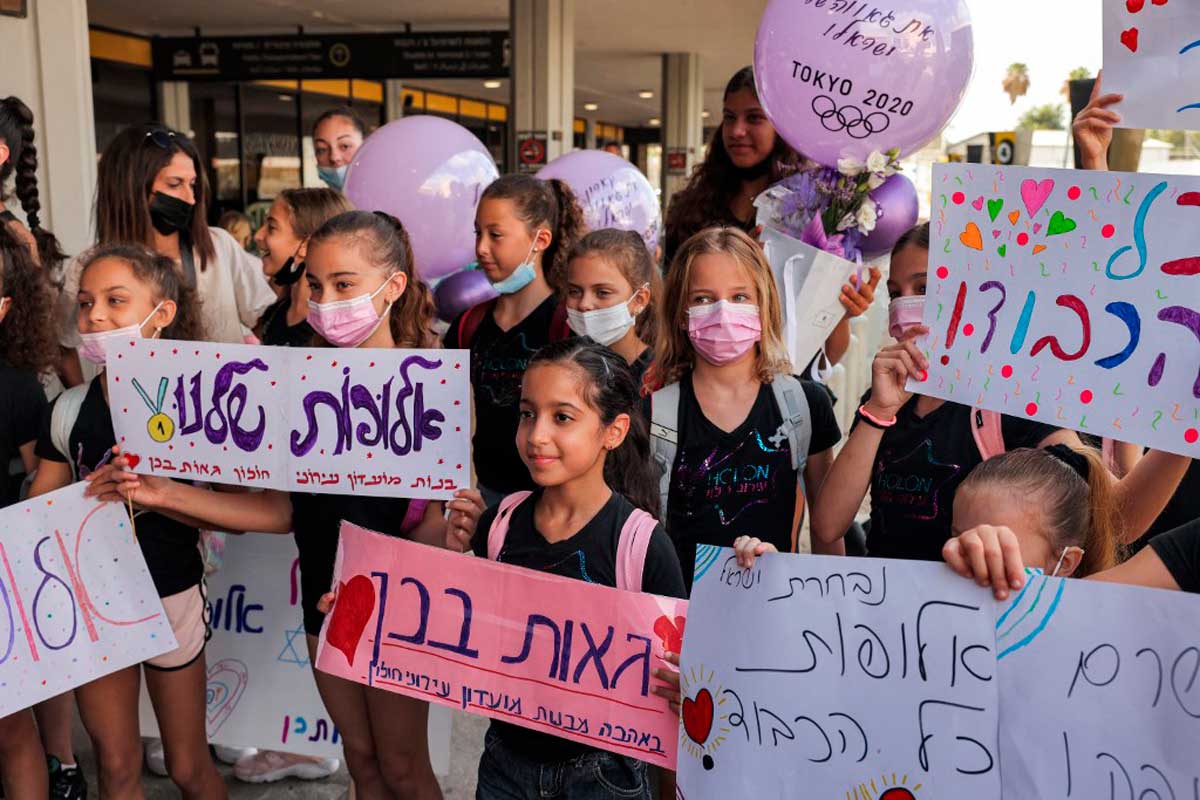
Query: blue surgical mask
[334,177]
[521,277]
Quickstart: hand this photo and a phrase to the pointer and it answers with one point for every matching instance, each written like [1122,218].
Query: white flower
[847,222]
[877,162]
[875,180]
[866,217]
[850,166]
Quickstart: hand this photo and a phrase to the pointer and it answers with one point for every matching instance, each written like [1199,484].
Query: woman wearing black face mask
[151,190]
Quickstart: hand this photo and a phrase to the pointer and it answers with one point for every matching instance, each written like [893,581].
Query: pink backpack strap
[414,515]
[499,530]
[985,427]
[631,549]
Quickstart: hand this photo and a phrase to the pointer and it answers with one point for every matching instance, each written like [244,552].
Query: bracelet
[872,420]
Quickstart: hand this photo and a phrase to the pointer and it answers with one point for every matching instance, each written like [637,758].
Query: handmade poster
[261,691]
[837,677]
[76,600]
[390,423]
[1099,688]
[1152,56]
[810,284]
[549,653]
[1068,297]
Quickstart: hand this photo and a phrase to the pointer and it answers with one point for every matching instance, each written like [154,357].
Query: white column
[393,99]
[682,120]
[174,105]
[543,74]
[590,135]
[47,65]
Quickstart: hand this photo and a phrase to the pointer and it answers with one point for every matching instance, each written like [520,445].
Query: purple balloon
[838,85]
[896,201]
[612,192]
[460,291]
[428,172]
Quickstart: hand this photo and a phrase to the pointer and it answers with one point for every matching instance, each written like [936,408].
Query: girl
[127,291]
[26,351]
[337,135]
[732,428]
[746,156]
[19,155]
[359,260]
[524,229]
[151,190]
[912,453]
[586,446]
[283,242]
[611,288]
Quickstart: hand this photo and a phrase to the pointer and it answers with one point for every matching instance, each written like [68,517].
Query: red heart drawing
[355,604]
[670,633]
[132,460]
[1134,6]
[698,716]
[1129,39]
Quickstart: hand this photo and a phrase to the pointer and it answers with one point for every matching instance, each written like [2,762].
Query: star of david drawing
[289,654]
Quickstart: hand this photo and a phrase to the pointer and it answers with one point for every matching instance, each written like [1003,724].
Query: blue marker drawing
[706,556]
[1139,236]
[1191,46]
[1041,622]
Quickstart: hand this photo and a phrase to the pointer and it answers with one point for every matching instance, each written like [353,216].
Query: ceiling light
[491,84]
[645,94]
[590,107]
[287,98]
[705,114]
[655,122]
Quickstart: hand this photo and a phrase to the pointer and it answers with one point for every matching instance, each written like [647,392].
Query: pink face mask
[723,332]
[904,313]
[347,323]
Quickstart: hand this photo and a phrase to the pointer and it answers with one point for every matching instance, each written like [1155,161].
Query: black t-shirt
[22,405]
[919,465]
[726,484]
[1179,550]
[638,368]
[171,549]
[498,361]
[590,555]
[277,332]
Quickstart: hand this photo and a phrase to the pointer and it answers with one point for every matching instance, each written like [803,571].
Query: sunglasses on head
[161,138]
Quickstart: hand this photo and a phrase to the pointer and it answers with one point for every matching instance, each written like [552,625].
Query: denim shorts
[596,775]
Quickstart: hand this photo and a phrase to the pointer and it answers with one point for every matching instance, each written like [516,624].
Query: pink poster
[553,654]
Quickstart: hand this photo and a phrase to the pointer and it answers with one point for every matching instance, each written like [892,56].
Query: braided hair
[16,131]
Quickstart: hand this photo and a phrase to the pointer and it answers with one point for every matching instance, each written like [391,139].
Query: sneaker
[232,755]
[156,759]
[266,766]
[66,783]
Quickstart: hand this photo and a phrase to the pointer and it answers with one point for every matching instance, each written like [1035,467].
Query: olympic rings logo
[849,118]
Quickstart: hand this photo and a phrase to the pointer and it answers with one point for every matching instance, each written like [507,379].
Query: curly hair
[704,202]
[166,281]
[552,204]
[16,130]
[28,333]
[388,247]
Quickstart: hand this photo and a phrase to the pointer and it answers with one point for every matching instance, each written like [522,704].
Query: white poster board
[1152,56]
[1068,297]
[261,691]
[76,600]
[393,423]
[814,676]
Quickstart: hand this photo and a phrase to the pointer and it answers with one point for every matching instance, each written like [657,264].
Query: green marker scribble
[1117,390]
[1127,194]
[1160,295]
[946,249]
[939,316]
[1083,421]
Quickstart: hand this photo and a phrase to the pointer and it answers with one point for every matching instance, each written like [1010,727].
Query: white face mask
[95,346]
[603,325]
[1063,557]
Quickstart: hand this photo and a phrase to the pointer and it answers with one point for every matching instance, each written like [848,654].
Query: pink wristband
[871,418]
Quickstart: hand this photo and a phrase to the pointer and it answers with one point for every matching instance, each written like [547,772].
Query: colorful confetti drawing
[1069,297]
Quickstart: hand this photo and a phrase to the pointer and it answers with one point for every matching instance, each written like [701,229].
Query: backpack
[62,420]
[989,438]
[473,317]
[664,429]
[631,547]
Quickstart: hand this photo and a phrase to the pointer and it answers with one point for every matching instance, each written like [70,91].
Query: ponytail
[544,203]
[16,129]
[1100,548]
[570,229]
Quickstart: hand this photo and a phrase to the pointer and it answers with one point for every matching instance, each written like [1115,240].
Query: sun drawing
[888,787]
[704,721]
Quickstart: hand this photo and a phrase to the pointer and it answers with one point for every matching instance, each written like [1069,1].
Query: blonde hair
[674,354]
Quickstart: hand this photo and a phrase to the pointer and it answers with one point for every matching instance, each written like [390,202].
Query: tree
[1048,117]
[1016,81]
[1077,74]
